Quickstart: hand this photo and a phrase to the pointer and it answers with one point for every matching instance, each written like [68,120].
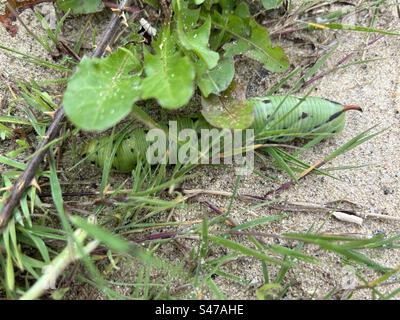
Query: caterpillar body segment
[133,147]
[284,118]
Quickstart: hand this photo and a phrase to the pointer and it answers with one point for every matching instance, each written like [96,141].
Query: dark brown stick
[111,31]
[24,181]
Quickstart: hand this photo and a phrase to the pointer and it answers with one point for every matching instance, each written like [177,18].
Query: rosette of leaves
[196,49]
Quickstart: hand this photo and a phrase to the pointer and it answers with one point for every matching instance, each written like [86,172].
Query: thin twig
[64,46]
[338,64]
[25,180]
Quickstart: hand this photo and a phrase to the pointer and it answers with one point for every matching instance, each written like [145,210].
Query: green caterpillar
[294,117]
[276,118]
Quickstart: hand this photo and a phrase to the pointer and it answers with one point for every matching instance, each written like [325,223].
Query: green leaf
[245,250]
[215,80]
[226,5]
[242,10]
[268,291]
[339,26]
[258,47]
[218,294]
[170,76]
[292,253]
[195,40]
[258,222]
[228,25]
[80,6]
[228,111]
[112,241]
[102,91]
[271,4]
[12,163]
[59,293]
[10,275]
[330,245]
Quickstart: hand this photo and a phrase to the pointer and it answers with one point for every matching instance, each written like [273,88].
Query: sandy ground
[375,87]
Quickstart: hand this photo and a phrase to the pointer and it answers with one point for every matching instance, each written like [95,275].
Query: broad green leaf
[102,91]
[80,6]
[271,4]
[227,111]
[228,25]
[258,222]
[154,3]
[330,245]
[258,47]
[169,75]
[226,5]
[190,18]
[195,40]
[215,80]
[242,10]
